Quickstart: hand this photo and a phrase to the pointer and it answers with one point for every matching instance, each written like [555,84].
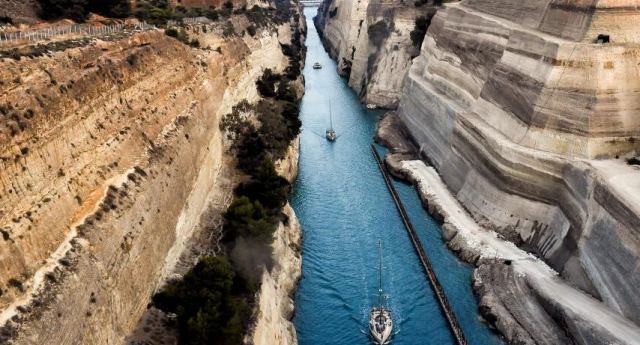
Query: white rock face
[371,41]
[512,282]
[524,115]
[275,303]
[521,113]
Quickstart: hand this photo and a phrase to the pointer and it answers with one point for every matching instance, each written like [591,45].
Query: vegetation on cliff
[206,303]
[79,9]
[214,297]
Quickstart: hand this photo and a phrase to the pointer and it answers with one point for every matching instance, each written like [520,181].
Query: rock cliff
[112,162]
[371,41]
[527,111]
[275,303]
[520,115]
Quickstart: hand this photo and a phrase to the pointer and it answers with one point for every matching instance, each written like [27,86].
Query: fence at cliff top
[456,330]
[22,37]
[189,20]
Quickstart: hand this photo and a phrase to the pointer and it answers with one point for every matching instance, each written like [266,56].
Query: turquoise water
[345,209]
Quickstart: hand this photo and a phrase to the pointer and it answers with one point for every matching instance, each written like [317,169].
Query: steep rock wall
[371,41]
[275,300]
[106,173]
[522,114]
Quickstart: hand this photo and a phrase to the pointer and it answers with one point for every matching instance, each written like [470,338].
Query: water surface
[345,209]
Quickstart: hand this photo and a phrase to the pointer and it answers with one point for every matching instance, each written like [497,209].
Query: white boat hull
[380,326]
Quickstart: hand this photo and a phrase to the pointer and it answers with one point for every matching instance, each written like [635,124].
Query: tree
[266,187]
[72,9]
[204,304]
[247,218]
[267,83]
[111,8]
[78,10]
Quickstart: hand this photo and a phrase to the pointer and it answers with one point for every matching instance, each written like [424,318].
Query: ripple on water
[345,209]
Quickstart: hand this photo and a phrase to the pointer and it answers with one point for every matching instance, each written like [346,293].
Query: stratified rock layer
[522,113]
[370,40]
[111,160]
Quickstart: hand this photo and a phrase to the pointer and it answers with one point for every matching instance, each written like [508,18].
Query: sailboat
[330,133]
[380,323]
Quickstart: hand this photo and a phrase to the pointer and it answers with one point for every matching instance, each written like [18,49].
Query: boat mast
[330,117]
[380,273]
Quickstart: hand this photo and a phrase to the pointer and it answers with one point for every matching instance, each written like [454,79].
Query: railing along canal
[424,260]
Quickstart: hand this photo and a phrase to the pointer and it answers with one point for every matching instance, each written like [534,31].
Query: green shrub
[111,8]
[206,304]
[156,11]
[78,10]
[285,92]
[171,32]
[267,83]
[212,14]
[247,218]
[266,187]
[182,36]
[228,30]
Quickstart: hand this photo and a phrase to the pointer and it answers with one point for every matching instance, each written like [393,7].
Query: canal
[344,207]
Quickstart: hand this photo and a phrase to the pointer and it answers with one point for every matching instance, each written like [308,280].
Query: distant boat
[330,134]
[380,323]
[317,65]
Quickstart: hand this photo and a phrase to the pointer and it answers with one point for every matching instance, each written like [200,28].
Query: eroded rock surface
[513,113]
[527,111]
[371,41]
[111,163]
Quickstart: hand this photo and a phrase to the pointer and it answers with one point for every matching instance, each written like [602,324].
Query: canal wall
[371,41]
[121,181]
[515,119]
[520,294]
[275,305]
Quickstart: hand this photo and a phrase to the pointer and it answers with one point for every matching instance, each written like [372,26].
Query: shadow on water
[345,209]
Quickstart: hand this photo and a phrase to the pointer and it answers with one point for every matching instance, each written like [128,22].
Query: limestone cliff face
[370,40]
[275,304]
[111,156]
[275,301]
[522,113]
[527,118]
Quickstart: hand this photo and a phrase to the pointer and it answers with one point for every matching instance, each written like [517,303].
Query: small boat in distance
[380,323]
[330,134]
[317,65]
